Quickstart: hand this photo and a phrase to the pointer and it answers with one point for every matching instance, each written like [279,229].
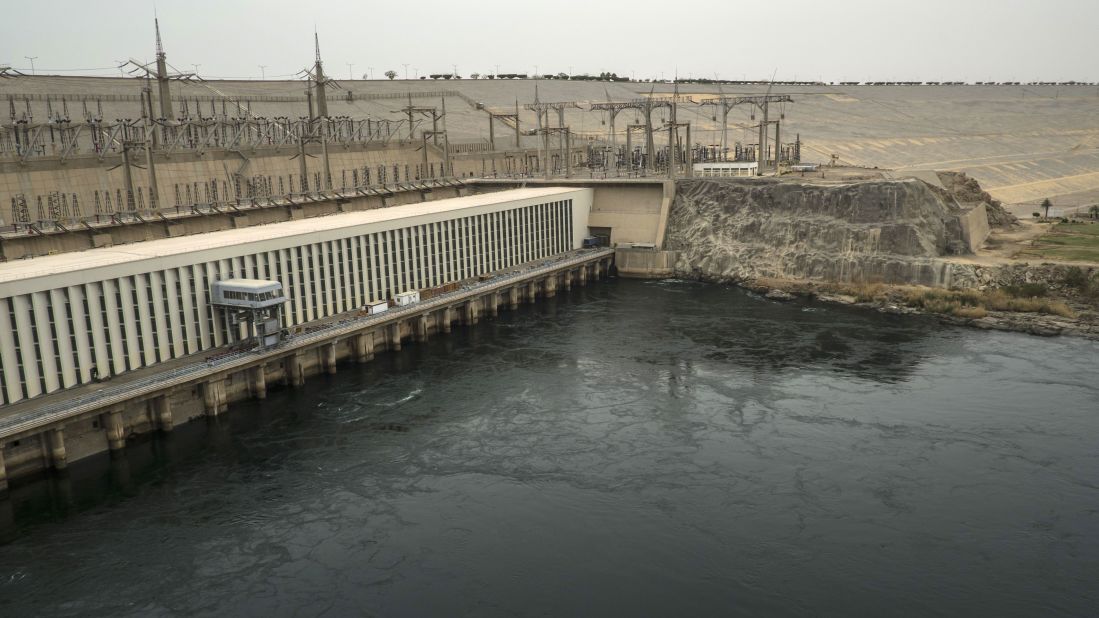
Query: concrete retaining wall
[644,263]
[975,229]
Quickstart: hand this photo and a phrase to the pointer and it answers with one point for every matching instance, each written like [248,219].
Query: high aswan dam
[478,346]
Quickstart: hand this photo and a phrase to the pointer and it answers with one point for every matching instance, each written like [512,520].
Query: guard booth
[252,309]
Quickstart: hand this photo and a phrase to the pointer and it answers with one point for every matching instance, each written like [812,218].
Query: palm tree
[391,74]
[1046,204]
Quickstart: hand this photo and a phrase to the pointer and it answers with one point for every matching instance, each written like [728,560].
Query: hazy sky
[833,40]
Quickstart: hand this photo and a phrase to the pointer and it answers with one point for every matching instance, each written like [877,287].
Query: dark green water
[630,449]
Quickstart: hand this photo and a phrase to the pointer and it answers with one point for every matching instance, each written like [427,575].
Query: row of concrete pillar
[468,313]
[112,422]
[215,394]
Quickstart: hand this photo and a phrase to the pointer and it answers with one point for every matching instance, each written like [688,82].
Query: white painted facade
[117,309]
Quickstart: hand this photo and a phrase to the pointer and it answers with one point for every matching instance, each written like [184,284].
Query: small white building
[407,298]
[726,169]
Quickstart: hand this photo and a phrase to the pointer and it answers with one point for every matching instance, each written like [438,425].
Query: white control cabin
[247,293]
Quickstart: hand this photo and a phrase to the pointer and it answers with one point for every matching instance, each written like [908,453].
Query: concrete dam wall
[887,231]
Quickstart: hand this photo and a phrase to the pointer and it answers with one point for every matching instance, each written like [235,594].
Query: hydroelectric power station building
[73,318]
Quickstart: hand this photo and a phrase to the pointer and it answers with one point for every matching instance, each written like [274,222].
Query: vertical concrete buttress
[162,412]
[448,317]
[116,431]
[394,335]
[3,473]
[513,298]
[257,381]
[295,376]
[213,397]
[55,448]
[328,358]
[364,347]
[420,327]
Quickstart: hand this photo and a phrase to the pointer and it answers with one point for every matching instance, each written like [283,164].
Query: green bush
[1075,277]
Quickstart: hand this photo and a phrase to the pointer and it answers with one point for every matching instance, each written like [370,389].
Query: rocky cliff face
[887,231]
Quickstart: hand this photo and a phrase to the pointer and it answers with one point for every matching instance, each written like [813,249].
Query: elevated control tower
[255,303]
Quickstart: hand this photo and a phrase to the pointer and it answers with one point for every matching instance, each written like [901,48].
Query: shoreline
[889,298]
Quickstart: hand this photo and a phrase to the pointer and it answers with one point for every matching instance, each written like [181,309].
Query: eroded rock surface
[888,231]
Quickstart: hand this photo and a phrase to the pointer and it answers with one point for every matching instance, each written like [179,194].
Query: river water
[628,449]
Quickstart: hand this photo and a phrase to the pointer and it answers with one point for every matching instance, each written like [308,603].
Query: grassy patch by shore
[1066,241]
[977,304]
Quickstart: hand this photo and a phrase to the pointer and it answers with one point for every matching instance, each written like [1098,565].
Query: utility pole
[411,110]
[435,127]
[319,80]
[154,188]
[448,167]
[405,69]
[688,154]
[778,144]
[262,71]
[630,128]
[32,59]
[127,175]
[302,169]
[673,135]
[545,134]
[163,88]
[327,180]
[761,157]
[541,109]
[561,137]
[492,116]
[642,105]
[650,143]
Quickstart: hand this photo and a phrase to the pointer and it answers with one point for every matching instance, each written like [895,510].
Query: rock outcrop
[968,191]
[887,231]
